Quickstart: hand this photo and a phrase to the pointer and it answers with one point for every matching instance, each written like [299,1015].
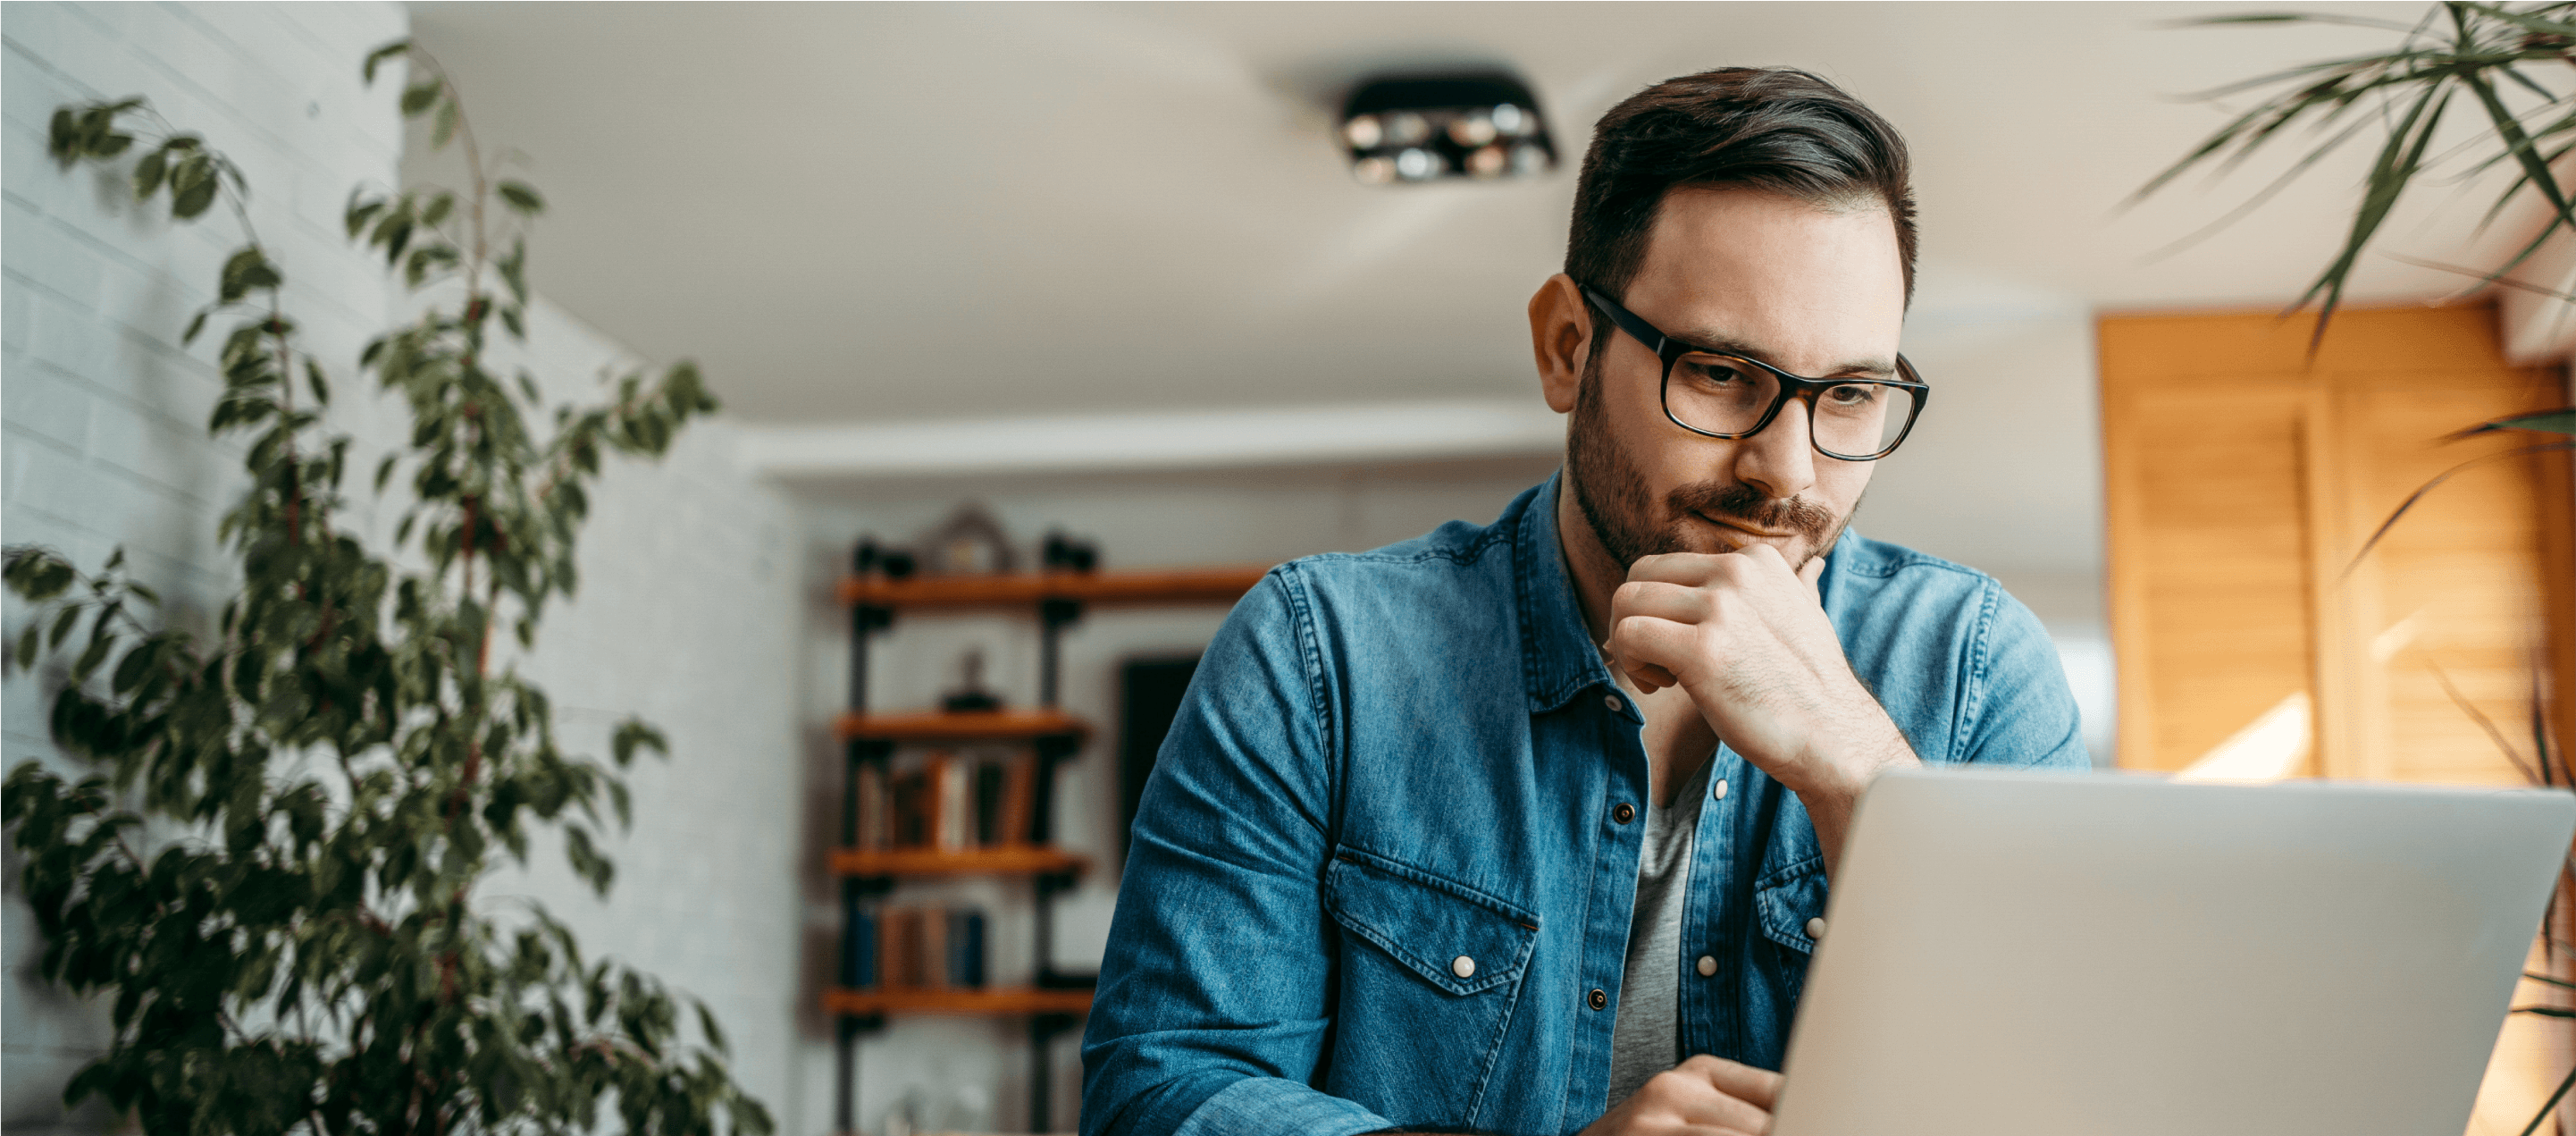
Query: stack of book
[946,801]
[913,948]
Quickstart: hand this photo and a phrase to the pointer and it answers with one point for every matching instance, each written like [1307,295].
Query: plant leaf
[2389,177]
[2437,480]
[2559,421]
[521,197]
[381,54]
[148,172]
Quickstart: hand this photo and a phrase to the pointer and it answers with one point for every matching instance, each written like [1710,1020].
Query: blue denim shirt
[1377,880]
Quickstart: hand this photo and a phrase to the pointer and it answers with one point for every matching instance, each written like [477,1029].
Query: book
[897,952]
[858,946]
[935,963]
[989,779]
[875,815]
[953,803]
[909,797]
[966,948]
[1018,804]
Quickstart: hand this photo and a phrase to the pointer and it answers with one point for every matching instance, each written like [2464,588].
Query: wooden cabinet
[2242,477]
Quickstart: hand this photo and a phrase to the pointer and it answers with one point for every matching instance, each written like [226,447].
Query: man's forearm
[1840,777]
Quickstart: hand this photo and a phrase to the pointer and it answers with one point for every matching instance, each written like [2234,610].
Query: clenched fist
[1747,638]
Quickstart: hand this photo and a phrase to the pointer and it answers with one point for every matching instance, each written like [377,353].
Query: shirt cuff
[1270,1104]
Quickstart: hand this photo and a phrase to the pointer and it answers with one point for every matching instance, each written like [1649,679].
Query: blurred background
[965,276]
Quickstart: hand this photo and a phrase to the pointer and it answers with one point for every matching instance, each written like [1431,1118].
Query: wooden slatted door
[2243,474]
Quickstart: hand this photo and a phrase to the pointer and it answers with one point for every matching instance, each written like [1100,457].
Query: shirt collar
[1558,657]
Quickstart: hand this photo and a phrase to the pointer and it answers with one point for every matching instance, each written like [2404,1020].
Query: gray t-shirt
[1647,1038]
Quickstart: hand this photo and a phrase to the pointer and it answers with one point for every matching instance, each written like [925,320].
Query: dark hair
[1771,128]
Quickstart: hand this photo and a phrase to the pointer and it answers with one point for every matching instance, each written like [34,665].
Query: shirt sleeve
[2020,711]
[1215,994]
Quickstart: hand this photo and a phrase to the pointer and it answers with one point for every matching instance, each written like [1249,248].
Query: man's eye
[1852,396]
[1715,375]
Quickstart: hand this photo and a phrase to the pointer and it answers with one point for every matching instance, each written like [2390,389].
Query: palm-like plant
[2496,57]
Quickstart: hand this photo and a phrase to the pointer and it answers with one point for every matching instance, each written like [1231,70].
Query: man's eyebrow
[1716,343]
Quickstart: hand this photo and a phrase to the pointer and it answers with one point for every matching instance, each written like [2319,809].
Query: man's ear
[1561,337]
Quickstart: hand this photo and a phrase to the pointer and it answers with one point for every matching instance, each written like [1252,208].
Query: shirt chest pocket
[1458,940]
[1429,975]
[1790,904]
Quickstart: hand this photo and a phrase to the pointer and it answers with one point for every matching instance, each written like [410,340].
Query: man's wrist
[1841,765]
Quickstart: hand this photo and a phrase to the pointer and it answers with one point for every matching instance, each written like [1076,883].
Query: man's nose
[1781,460]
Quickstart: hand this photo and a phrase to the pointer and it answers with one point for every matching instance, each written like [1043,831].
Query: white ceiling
[889,212]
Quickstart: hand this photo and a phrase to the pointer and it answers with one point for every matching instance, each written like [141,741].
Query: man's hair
[1776,129]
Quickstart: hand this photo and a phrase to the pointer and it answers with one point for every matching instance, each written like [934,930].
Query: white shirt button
[1815,928]
[1611,701]
[1707,966]
[1717,792]
[1463,967]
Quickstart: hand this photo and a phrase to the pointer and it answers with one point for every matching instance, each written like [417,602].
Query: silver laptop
[2025,954]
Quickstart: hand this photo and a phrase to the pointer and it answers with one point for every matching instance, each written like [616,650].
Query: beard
[1613,496]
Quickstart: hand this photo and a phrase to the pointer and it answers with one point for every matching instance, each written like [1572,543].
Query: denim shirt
[1378,878]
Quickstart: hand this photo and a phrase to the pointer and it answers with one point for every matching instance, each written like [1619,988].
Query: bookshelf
[1021,830]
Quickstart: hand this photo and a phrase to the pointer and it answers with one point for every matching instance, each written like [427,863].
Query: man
[1527,828]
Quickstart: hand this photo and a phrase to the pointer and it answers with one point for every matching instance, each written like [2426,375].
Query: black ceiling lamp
[1482,125]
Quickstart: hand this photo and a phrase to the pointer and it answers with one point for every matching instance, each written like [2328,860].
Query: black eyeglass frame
[1800,387]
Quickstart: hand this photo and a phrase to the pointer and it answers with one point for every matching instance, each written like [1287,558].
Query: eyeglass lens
[1724,395]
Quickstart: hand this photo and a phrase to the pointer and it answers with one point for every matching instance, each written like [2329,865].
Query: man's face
[1813,291]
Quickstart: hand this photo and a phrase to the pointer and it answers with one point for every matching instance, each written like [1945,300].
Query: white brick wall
[689,610]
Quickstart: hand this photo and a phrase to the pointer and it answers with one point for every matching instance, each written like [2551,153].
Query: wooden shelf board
[973,725]
[1144,586]
[996,1001]
[1002,860]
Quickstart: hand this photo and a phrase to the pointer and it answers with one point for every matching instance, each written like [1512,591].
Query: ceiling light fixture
[1483,125]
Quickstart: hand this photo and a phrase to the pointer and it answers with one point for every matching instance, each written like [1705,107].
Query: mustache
[1742,503]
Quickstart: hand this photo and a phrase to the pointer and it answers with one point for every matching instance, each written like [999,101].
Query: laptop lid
[2019,954]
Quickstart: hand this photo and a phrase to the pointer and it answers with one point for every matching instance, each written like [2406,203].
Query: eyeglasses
[1730,396]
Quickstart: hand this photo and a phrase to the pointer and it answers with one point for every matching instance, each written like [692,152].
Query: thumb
[1811,574]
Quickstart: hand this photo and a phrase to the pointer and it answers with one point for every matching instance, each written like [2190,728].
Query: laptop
[2035,954]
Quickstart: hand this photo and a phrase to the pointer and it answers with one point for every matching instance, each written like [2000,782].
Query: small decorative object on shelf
[870,560]
[1063,553]
[971,697]
[969,543]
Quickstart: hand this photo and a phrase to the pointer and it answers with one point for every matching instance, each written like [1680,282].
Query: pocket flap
[1429,924]
[1785,900]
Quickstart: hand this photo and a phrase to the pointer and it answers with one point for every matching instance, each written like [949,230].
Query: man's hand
[1746,637]
[1703,1096]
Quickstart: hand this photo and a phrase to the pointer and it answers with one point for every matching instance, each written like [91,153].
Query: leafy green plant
[2460,51]
[274,869]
